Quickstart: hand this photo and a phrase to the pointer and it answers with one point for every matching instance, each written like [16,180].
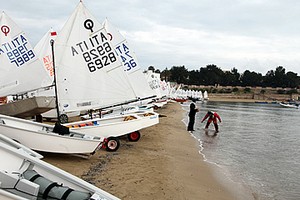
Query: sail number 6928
[99,57]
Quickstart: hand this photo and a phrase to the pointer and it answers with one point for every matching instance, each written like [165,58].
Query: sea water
[258,144]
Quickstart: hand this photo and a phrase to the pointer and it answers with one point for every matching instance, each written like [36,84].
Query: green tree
[211,75]
[292,80]
[251,79]
[179,74]
[151,68]
[280,77]
[269,80]
[231,78]
[194,77]
[165,74]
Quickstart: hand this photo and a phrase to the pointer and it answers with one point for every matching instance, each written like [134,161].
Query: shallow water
[258,144]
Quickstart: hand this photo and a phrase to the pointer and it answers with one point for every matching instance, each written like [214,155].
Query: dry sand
[163,164]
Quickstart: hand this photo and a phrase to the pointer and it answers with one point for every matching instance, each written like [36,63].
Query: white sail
[201,95]
[129,60]
[153,80]
[89,73]
[44,53]
[164,88]
[205,95]
[18,61]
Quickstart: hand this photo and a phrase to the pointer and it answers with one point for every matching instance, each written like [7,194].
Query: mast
[54,80]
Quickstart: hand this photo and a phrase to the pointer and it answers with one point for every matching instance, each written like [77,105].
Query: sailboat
[18,63]
[48,138]
[44,53]
[205,96]
[91,76]
[23,176]
[154,82]
[136,77]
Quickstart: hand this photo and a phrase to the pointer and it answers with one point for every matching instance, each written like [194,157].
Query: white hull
[289,105]
[115,126]
[19,146]
[4,195]
[40,137]
[28,107]
[121,111]
[52,114]
[16,178]
[148,119]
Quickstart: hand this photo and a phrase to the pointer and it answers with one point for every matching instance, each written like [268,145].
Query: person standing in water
[192,114]
[212,117]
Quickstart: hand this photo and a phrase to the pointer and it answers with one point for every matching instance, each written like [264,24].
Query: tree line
[213,75]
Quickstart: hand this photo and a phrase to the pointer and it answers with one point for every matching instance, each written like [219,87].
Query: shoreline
[164,164]
[240,100]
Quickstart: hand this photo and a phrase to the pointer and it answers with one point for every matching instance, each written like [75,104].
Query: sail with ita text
[89,73]
[129,60]
[18,61]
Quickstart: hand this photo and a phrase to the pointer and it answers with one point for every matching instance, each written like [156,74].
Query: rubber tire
[134,136]
[112,144]
[63,118]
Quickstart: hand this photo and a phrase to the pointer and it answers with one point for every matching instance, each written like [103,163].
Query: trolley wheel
[134,136]
[112,144]
[63,118]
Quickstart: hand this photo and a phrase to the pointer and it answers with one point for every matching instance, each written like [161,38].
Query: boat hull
[13,174]
[289,105]
[115,126]
[28,107]
[40,137]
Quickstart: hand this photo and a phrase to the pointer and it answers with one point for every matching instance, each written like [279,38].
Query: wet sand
[163,164]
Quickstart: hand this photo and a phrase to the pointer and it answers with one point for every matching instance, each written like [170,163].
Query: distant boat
[205,95]
[48,138]
[180,100]
[23,176]
[289,105]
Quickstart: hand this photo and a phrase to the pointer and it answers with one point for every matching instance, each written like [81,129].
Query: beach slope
[163,164]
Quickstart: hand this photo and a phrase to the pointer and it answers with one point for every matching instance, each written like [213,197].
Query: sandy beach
[163,164]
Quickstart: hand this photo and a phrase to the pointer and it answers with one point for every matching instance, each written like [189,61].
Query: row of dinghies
[104,76]
[73,85]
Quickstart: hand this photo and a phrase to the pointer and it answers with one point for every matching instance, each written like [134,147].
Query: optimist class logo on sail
[18,51]
[96,51]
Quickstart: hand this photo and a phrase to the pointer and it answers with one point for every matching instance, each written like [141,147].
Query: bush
[214,90]
[280,91]
[263,91]
[235,89]
[293,91]
[247,90]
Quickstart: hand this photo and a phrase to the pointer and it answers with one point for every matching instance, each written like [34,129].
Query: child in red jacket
[212,117]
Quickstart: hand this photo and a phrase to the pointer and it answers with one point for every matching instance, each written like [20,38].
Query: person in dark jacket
[192,114]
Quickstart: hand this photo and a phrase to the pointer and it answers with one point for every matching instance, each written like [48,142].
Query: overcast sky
[255,35]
